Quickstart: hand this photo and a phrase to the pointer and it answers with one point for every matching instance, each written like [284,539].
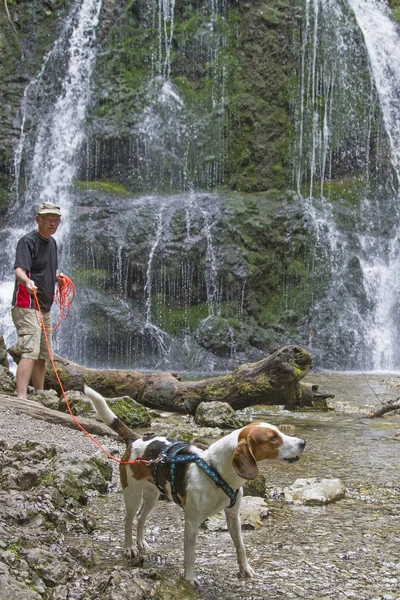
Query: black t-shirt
[38,256]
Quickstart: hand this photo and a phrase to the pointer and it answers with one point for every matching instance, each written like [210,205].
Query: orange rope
[64,298]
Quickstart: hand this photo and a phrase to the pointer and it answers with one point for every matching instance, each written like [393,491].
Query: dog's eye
[275,437]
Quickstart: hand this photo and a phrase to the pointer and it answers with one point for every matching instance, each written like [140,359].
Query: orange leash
[64,298]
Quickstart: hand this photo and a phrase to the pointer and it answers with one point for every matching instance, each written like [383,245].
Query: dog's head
[259,442]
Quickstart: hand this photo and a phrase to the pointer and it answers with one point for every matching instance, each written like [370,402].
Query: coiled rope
[63,298]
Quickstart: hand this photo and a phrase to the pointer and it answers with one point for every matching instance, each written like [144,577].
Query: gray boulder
[314,491]
[48,398]
[218,414]
[253,512]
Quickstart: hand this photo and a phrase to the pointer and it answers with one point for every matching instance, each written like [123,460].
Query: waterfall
[382,39]
[381,262]
[164,275]
[346,111]
[166,9]
[61,134]
[56,140]
[156,333]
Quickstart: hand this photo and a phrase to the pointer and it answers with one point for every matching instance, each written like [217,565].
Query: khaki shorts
[31,339]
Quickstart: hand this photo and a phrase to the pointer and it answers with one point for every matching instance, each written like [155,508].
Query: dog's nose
[302,443]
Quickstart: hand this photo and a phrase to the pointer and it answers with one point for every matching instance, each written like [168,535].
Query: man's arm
[23,279]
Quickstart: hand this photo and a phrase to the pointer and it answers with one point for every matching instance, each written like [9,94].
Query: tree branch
[9,19]
[385,408]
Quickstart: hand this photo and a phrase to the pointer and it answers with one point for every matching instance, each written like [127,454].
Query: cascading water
[55,141]
[341,140]
[164,146]
[381,260]
[163,275]
[61,134]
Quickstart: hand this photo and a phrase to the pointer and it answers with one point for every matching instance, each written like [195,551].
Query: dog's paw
[143,546]
[132,552]
[195,583]
[247,572]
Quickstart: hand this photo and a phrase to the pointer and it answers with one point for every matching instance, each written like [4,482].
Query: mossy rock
[180,434]
[255,487]
[130,412]
[76,479]
[217,414]
[78,403]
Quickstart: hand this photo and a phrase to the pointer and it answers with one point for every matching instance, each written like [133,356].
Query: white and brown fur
[236,457]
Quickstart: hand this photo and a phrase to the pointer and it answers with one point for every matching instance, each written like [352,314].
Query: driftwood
[385,408]
[38,411]
[275,380]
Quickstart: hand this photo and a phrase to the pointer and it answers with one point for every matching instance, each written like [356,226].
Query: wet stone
[314,491]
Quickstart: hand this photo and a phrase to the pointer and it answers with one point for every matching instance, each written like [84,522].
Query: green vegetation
[15,547]
[48,479]
[93,278]
[106,187]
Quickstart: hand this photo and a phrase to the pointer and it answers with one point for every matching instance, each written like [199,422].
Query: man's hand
[30,286]
[23,279]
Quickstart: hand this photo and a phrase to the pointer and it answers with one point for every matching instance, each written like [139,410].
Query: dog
[230,461]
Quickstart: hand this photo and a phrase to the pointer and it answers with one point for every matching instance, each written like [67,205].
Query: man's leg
[33,348]
[24,373]
[38,373]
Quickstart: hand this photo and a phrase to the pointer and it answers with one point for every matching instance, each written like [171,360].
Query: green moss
[396,15]
[61,373]
[176,320]
[106,187]
[350,189]
[48,479]
[242,386]
[93,278]
[130,412]
[15,547]
[104,467]
[52,452]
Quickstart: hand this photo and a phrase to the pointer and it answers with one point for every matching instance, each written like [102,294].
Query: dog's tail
[108,417]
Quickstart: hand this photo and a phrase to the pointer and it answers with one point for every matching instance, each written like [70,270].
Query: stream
[347,549]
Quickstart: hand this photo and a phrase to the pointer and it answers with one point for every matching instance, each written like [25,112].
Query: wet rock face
[182,281]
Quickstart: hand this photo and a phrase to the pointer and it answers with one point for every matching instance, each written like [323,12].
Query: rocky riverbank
[62,513]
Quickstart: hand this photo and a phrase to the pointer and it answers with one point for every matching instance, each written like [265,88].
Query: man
[36,264]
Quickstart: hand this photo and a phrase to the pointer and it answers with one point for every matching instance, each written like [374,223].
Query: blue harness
[171,455]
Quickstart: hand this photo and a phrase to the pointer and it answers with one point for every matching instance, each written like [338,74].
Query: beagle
[231,460]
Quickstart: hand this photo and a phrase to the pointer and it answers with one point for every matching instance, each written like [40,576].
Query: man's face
[47,224]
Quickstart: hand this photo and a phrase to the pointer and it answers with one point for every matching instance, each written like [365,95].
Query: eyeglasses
[51,219]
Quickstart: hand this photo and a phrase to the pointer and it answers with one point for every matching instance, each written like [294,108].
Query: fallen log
[38,411]
[275,380]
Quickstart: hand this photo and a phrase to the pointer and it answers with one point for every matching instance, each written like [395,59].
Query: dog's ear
[243,461]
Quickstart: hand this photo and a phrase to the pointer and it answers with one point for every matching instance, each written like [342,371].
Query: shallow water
[348,549]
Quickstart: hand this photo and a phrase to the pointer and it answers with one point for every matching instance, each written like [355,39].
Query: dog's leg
[150,497]
[132,497]
[189,548]
[235,529]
